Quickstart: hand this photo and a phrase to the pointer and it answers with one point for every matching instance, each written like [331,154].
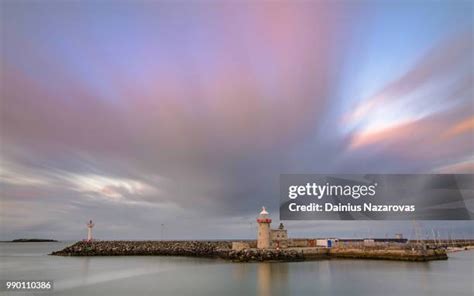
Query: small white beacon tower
[89,230]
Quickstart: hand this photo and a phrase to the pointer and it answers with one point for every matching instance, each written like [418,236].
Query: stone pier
[224,250]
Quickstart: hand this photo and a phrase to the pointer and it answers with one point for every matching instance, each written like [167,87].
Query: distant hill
[32,240]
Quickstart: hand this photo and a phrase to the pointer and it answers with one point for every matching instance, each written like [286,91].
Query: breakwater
[223,250]
[144,248]
[205,249]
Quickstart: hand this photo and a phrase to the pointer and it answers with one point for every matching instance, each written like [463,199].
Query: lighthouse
[89,230]
[263,239]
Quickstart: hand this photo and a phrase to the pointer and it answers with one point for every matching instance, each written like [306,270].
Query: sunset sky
[138,114]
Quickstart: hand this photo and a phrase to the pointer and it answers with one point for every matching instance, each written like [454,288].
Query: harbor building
[279,237]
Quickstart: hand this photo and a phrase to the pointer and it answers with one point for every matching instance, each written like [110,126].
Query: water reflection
[85,269]
[272,279]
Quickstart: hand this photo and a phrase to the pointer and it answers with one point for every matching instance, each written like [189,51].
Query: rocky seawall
[206,249]
[145,248]
[223,250]
[253,255]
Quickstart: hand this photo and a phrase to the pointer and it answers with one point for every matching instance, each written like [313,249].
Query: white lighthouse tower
[89,230]
[263,239]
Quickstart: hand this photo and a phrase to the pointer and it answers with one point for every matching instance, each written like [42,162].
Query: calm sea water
[151,275]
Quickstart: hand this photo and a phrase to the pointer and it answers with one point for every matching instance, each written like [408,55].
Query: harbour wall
[223,250]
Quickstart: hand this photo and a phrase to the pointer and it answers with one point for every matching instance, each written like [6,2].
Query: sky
[174,120]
